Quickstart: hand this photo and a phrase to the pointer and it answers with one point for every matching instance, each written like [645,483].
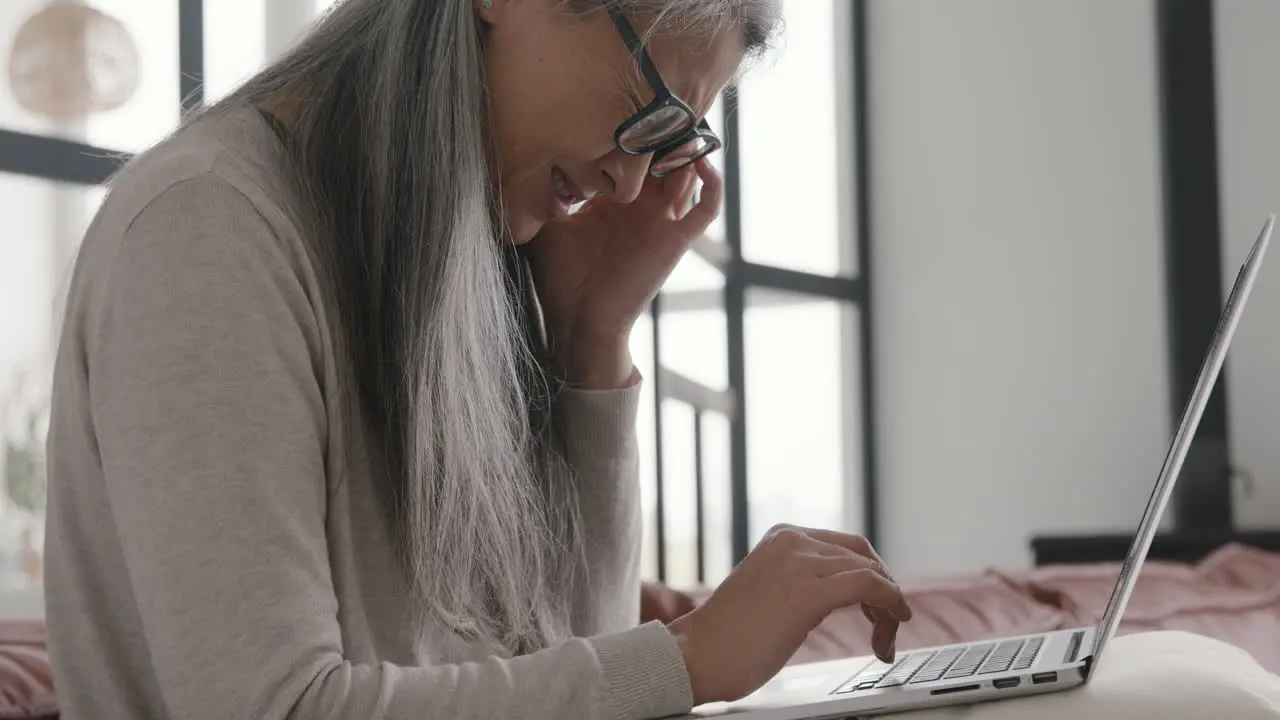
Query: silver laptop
[1007,667]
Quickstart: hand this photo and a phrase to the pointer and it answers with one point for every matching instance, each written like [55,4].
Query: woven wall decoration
[70,60]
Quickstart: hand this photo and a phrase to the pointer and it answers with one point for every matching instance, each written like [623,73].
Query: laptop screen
[1160,495]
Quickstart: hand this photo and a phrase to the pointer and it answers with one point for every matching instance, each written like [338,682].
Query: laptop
[992,670]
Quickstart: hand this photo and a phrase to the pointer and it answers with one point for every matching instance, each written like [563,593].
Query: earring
[488,4]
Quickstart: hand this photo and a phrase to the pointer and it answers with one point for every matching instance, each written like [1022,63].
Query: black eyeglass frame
[663,98]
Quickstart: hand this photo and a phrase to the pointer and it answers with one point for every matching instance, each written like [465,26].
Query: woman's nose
[625,174]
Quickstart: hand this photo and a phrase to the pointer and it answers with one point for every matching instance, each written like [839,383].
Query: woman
[343,422]
[344,414]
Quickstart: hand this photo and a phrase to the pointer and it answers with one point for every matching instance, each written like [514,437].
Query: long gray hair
[447,366]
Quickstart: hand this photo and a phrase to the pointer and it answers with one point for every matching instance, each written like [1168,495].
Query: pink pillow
[1163,589]
[1243,567]
[943,611]
[1233,595]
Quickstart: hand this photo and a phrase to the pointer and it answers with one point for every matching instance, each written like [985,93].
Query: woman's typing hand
[758,617]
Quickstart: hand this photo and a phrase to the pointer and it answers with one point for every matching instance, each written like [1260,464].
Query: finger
[884,639]
[846,564]
[876,615]
[652,192]
[870,614]
[878,595]
[884,632]
[700,216]
[825,565]
[868,588]
[832,549]
[679,189]
[854,543]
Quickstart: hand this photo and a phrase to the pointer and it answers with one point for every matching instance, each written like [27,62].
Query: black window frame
[741,276]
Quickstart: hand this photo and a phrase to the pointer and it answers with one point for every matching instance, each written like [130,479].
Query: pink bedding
[1233,595]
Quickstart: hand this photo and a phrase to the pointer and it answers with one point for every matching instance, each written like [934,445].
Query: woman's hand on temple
[758,617]
[597,270]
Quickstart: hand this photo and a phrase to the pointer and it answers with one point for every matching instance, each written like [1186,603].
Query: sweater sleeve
[207,403]
[598,428]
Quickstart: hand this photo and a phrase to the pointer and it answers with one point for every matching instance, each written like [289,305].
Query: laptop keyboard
[947,664]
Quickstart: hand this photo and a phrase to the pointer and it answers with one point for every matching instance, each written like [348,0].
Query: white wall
[241,36]
[1020,317]
[43,221]
[37,217]
[1247,56]
[28,212]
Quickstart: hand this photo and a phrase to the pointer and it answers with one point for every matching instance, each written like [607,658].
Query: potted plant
[24,427]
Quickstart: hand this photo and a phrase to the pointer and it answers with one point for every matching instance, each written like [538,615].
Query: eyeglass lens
[680,156]
[656,128]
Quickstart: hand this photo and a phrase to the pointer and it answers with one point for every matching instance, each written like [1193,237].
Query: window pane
[679,482]
[93,197]
[235,44]
[694,274]
[149,29]
[242,36]
[34,267]
[694,343]
[787,120]
[642,356]
[802,401]
[716,482]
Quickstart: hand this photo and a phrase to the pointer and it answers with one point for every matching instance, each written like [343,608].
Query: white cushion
[1167,675]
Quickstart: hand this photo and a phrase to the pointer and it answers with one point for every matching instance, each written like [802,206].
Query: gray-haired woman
[343,424]
[344,415]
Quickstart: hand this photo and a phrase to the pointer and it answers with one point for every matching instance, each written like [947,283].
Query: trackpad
[794,686]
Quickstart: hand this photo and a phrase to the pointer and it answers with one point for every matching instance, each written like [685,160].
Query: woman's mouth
[565,196]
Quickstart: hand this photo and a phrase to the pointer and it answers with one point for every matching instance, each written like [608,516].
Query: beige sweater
[203,562]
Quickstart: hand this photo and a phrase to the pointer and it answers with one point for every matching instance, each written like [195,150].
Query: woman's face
[560,84]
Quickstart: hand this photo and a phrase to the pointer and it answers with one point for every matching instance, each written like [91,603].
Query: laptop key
[934,669]
[903,671]
[1001,658]
[1027,656]
[969,662]
[871,673]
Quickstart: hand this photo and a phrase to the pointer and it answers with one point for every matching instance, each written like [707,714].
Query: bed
[1232,594]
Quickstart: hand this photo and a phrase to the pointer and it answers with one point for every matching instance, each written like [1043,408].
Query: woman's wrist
[681,631]
[597,364]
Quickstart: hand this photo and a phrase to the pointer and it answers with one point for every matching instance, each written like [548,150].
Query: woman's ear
[491,11]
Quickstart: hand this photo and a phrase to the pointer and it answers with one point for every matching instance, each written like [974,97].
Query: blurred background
[970,257]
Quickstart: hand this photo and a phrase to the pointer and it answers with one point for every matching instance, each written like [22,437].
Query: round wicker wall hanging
[69,61]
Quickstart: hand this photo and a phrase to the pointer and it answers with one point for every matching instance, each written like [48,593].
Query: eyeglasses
[667,126]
